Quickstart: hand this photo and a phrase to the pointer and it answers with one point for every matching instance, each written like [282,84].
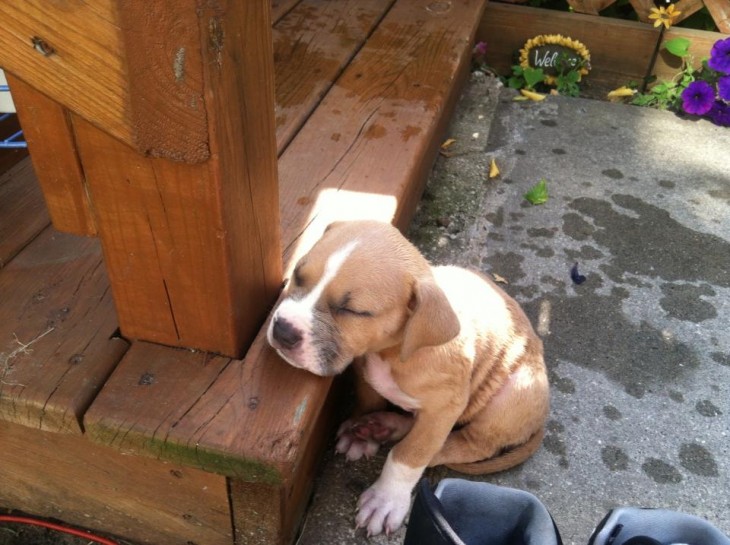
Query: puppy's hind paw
[354,448]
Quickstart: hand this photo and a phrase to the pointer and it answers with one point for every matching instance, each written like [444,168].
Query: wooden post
[171,109]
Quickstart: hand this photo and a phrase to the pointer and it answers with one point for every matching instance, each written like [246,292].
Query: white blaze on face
[300,312]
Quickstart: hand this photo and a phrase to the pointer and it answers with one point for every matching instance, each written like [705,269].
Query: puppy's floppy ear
[432,321]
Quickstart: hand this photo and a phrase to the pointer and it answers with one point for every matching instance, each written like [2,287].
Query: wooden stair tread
[312,45]
[57,324]
[364,152]
[23,213]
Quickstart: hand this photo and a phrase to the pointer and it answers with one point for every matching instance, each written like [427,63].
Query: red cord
[70,531]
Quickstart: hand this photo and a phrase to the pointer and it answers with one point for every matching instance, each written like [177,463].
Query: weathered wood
[47,129]
[260,421]
[56,332]
[279,8]
[700,44]
[145,500]
[161,46]
[364,152]
[591,7]
[620,50]
[720,11]
[312,45]
[132,68]
[192,250]
[22,212]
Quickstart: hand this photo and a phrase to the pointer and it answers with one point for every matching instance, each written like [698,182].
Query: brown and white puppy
[444,344]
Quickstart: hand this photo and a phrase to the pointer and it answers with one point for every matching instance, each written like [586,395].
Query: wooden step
[56,318]
[364,152]
[364,92]
[22,211]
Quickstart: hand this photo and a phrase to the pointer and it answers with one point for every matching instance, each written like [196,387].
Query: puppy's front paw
[382,508]
[353,446]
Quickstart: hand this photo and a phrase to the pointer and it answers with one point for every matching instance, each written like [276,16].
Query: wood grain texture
[56,332]
[47,129]
[394,97]
[366,149]
[22,212]
[193,250]
[279,8]
[701,42]
[720,11]
[161,42]
[614,61]
[134,69]
[84,68]
[312,45]
[141,499]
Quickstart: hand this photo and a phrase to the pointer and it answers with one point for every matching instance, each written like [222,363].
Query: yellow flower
[556,39]
[664,16]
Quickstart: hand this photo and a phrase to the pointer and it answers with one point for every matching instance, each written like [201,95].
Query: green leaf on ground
[539,193]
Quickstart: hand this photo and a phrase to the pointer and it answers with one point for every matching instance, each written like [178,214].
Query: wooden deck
[188,441]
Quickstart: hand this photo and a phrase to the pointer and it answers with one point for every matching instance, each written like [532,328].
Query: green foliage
[566,80]
[538,194]
[679,47]
[525,78]
[665,95]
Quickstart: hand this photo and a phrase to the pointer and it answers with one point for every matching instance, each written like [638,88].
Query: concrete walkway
[639,353]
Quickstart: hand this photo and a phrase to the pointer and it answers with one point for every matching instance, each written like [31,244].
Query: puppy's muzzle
[285,334]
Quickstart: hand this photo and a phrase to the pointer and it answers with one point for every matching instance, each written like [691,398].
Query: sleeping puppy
[449,348]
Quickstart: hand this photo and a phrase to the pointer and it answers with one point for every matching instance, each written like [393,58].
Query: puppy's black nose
[286,334]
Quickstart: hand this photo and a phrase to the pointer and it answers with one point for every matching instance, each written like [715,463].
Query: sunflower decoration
[664,16]
[555,54]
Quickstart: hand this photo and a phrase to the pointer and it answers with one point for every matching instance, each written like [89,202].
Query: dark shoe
[636,526]
[462,512]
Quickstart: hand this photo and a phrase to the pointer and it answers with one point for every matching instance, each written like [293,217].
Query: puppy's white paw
[382,508]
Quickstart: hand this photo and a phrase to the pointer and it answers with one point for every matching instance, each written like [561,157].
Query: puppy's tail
[504,461]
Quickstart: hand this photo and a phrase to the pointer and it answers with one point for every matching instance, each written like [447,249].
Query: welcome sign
[555,54]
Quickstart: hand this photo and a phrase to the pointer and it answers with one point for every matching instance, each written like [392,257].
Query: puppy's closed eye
[345,307]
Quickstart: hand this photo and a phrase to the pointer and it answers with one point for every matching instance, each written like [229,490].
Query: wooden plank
[279,8]
[82,45]
[312,45]
[193,250]
[134,69]
[242,419]
[720,11]
[403,83]
[141,499]
[22,212]
[161,46]
[56,332]
[614,61]
[265,514]
[366,150]
[47,129]
[591,7]
[701,42]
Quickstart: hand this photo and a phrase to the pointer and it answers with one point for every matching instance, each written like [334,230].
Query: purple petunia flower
[720,56]
[480,48]
[723,87]
[720,114]
[698,97]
